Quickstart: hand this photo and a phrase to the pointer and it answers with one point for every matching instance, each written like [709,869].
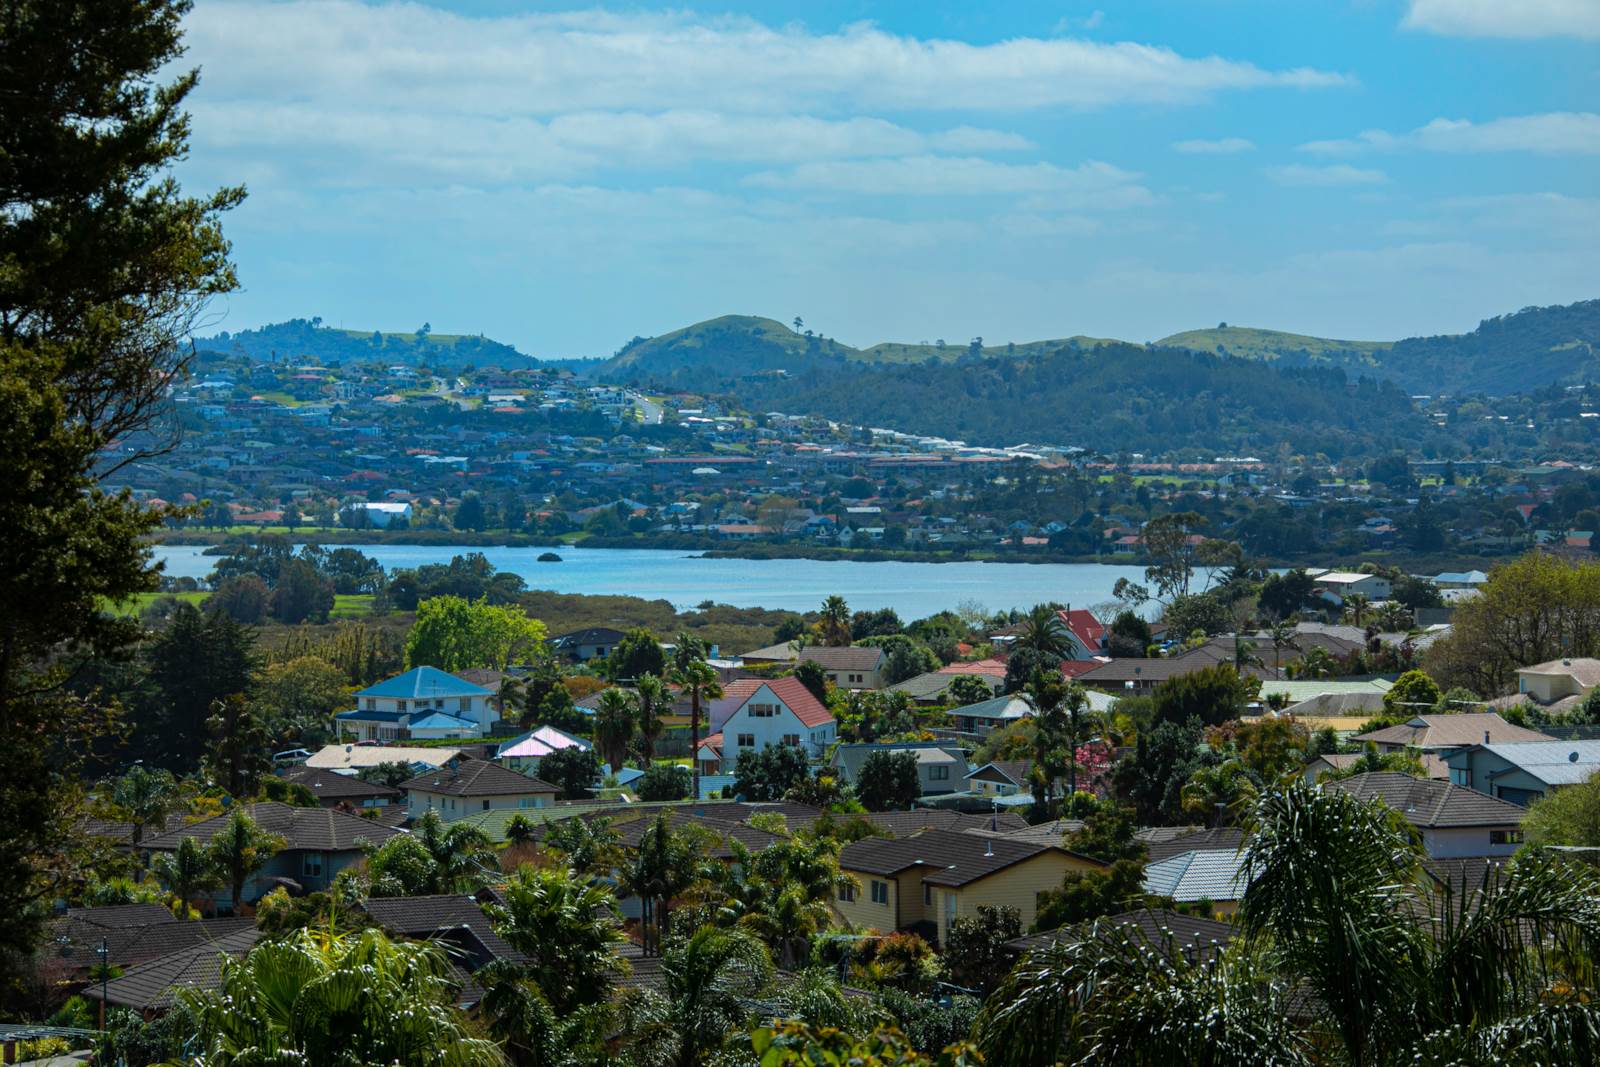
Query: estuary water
[914,590]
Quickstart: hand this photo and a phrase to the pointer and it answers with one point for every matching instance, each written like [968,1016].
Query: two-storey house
[424,702]
[754,713]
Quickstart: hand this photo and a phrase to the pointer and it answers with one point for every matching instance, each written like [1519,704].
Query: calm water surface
[914,590]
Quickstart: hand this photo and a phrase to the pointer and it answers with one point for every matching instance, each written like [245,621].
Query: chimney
[1486,737]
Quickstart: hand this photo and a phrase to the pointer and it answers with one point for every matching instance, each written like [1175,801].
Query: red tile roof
[1085,627]
[807,708]
[993,667]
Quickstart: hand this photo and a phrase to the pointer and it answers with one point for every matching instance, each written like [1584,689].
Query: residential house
[1525,771]
[1212,874]
[333,789]
[1440,735]
[152,987]
[753,713]
[523,754]
[424,702]
[318,844]
[1558,679]
[933,687]
[941,768]
[382,514]
[581,646]
[927,881]
[1432,766]
[1453,820]
[469,786]
[987,716]
[1002,778]
[1343,584]
[847,666]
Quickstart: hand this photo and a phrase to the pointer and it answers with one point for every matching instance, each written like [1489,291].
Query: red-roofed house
[1088,635]
[993,667]
[754,713]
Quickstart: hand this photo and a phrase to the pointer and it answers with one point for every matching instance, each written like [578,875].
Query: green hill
[298,338]
[1298,349]
[729,345]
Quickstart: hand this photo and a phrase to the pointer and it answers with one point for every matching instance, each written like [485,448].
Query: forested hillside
[1115,398]
[1513,353]
[309,337]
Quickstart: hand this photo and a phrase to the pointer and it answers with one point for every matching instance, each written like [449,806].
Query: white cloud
[1338,174]
[406,56]
[1221,147]
[1506,18]
[1555,132]
[1092,184]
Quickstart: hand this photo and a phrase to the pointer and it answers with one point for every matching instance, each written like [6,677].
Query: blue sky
[565,177]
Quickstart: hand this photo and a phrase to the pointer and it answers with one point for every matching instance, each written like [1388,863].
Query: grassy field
[345,606]
[1271,344]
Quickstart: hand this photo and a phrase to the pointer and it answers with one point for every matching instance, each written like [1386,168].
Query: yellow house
[935,877]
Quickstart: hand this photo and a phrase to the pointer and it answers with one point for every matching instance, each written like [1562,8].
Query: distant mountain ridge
[1529,349]
[299,338]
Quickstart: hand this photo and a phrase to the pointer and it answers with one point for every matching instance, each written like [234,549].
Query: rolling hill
[309,337]
[1273,345]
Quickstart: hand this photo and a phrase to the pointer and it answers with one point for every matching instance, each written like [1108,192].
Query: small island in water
[549,557]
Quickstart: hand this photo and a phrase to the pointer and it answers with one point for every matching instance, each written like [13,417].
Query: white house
[424,702]
[754,713]
[1342,584]
[381,514]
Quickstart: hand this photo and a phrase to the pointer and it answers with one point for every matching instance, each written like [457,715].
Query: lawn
[140,601]
[345,606]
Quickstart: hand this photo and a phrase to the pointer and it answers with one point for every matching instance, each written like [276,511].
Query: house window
[372,704]
[855,677]
[927,894]
[847,893]
[880,892]
[747,740]
[485,805]
[762,711]
[1505,837]
[791,739]
[399,705]
[465,703]
[311,865]
[939,774]
[949,908]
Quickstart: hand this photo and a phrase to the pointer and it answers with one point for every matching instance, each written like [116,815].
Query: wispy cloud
[1553,133]
[1092,184]
[1506,18]
[1221,147]
[1338,174]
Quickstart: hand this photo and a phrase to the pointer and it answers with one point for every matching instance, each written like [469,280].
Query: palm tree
[318,997]
[1356,606]
[1218,793]
[615,721]
[707,983]
[459,854]
[664,865]
[784,894]
[1244,654]
[187,872]
[1043,630]
[1283,635]
[240,849]
[1395,617]
[835,621]
[565,927]
[652,698]
[699,680]
[1046,694]
[1347,953]
[1316,662]
[145,798]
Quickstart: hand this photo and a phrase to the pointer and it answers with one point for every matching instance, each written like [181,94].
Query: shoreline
[710,548]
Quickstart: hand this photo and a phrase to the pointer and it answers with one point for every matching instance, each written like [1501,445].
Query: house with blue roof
[422,703]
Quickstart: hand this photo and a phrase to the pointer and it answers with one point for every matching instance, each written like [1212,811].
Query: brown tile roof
[632,833]
[1584,671]
[477,778]
[1430,804]
[424,917]
[308,829]
[334,786]
[118,916]
[77,942]
[154,985]
[950,858]
[1455,730]
[843,658]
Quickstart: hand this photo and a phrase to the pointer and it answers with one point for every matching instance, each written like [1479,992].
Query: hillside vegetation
[1115,397]
[299,338]
[1276,345]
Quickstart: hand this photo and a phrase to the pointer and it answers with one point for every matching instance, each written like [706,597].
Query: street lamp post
[104,952]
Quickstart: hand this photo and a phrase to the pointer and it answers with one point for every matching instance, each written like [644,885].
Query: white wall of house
[765,720]
[451,808]
[1471,841]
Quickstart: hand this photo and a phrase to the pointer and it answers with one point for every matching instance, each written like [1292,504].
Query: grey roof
[1554,763]
[950,858]
[1206,874]
[1453,730]
[335,786]
[428,916]
[1333,705]
[477,778]
[843,658]
[934,683]
[78,940]
[631,834]
[308,829]
[1016,771]
[1047,833]
[1431,804]
[1152,834]
[121,916]
[1001,708]
[1195,937]
[902,823]
[1584,671]
[849,757]
[154,985]
[1220,839]
[1465,873]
